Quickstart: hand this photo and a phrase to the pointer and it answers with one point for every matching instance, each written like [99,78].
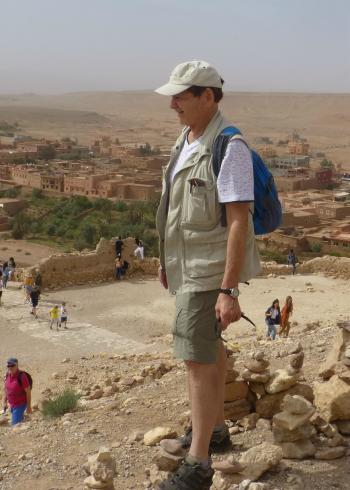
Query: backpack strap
[219,149]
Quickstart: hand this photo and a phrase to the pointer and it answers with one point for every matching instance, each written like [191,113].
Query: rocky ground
[116,354]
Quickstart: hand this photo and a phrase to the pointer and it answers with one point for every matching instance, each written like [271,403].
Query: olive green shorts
[194,330]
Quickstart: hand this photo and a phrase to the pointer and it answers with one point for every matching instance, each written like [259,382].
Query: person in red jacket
[17,391]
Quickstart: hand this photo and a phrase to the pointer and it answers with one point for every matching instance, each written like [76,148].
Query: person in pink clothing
[17,391]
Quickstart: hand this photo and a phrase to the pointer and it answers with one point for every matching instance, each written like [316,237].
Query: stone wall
[89,267]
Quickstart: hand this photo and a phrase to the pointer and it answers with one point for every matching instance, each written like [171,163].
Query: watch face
[234,292]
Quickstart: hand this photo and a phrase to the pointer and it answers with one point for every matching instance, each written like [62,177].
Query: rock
[290,348]
[231,375]
[332,399]
[340,342]
[102,469]
[256,366]
[223,481]
[269,405]
[262,377]
[91,483]
[237,410]
[236,390]
[297,360]
[257,388]
[283,435]
[281,380]
[166,461]
[152,437]
[172,446]
[234,430]
[259,355]
[289,421]
[296,404]
[96,394]
[228,466]
[330,453]
[249,422]
[259,459]
[156,476]
[343,427]
[298,449]
[337,440]
[263,424]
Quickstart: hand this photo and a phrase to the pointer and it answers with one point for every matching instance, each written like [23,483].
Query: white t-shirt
[235,182]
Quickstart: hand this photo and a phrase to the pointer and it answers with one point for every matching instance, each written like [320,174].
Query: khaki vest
[192,240]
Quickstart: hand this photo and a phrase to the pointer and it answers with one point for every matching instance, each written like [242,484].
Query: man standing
[203,258]
[17,391]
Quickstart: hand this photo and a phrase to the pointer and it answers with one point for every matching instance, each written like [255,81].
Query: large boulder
[259,459]
[332,399]
[269,405]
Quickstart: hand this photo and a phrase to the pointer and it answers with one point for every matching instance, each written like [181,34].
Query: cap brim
[171,89]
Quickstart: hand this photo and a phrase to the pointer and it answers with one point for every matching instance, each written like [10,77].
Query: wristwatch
[233,292]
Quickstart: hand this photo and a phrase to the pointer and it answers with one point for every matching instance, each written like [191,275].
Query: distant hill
[145,116]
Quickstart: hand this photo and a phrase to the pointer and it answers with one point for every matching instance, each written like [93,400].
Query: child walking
[287,311]
[63,315]
[54,314]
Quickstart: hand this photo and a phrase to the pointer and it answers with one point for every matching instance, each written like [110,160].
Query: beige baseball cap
[185,75]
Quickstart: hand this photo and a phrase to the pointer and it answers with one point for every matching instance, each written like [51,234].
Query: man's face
[190,109]
[12,368]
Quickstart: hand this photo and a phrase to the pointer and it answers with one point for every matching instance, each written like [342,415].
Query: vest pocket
[199,207]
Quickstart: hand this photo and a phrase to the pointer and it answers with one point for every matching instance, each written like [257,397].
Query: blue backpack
[267,207]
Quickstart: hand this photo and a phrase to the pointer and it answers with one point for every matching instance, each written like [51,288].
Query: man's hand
[162,277]
[29,410]
[227,310]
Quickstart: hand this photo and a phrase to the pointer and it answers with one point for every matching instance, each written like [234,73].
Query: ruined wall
[90,267]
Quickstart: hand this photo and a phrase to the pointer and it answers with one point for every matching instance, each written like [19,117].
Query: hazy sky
[54,46]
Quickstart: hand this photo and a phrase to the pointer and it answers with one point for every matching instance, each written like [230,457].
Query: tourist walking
[286,313]
[63,315]
[273,318]
[207,246]
[1,286]
[139,250]
[54,316]
[17,392]
[34,298]
[292,261]
[5,274]
[12,268]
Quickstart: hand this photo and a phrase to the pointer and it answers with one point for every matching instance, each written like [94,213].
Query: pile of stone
[238,398]
[256,372]
[102,469]
[292,429]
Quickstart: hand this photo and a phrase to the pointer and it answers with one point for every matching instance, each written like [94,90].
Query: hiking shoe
[189,477]
[220,440]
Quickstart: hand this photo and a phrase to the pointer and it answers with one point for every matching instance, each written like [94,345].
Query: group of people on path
[274,317]
[59,316]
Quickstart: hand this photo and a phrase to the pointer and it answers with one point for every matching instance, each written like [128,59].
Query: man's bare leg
[206,388]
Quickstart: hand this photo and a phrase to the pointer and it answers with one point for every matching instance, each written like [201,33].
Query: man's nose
[173,103]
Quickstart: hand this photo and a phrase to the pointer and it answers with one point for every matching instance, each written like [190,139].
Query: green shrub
[272,255]
[66,401]
[316,247]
